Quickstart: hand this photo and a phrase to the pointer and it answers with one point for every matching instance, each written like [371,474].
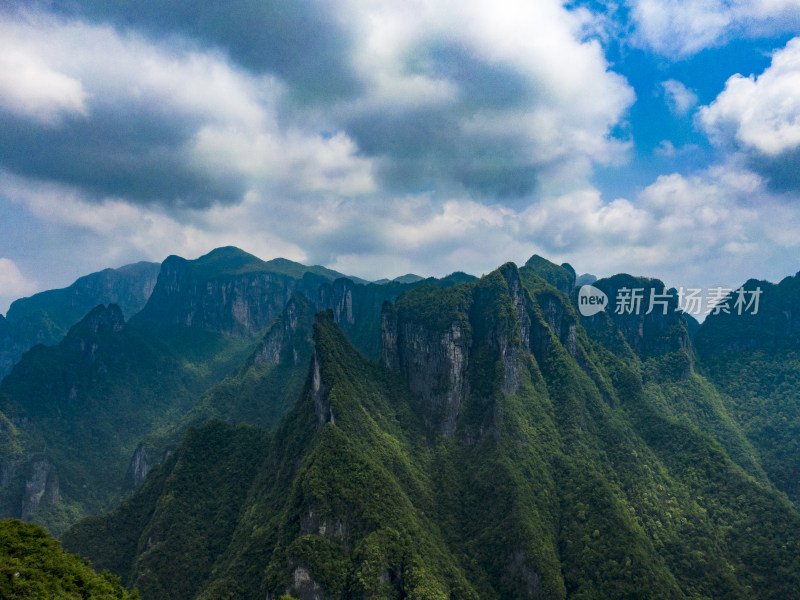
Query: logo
[591,300]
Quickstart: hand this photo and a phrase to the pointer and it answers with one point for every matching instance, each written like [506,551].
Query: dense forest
[260,429]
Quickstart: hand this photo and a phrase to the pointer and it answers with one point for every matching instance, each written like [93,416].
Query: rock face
[447,361]
[226,301]
[288,337]
[41,482]
[649,330]
[138,470]
[338,297]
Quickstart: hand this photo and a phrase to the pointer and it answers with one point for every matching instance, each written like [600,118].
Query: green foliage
[88,402]
[560,277]
[583,464]
[34,567]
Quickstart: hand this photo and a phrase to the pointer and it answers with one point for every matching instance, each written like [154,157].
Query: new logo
[591,300]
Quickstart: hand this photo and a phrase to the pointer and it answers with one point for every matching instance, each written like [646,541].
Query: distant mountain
[498,449]
[407,278]
[45,318]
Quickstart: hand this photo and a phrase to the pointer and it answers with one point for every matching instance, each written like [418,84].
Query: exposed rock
[304,587]
[232,302]
[288,337]
[435,364]
[138,469]
[389,357]
[524,578]
[318,392]
[41,480]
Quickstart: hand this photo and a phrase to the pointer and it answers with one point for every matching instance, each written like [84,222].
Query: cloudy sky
[380,137]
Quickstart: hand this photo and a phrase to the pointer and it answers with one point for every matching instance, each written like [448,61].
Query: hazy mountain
[45,318]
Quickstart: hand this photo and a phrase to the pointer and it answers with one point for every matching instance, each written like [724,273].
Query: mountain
[33,566]
[502,447]
[223,336]
[45,318]
[753,359]
[80,408]
[562,277]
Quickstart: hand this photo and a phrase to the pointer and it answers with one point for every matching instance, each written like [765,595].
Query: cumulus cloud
[13,284]
[499,99]
[680,28]
[679,98]
[495,101]
[763,113]
[760,116]
[30,88]
[12,281]
[161,121]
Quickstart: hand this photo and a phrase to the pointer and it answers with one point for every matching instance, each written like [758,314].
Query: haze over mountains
[232,427]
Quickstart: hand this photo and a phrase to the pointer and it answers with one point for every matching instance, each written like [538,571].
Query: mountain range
[239,428]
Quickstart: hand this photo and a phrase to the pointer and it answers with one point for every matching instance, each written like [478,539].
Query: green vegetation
[34,567]
[577,466]
[86,404]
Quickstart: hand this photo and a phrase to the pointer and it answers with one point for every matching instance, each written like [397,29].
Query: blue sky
[379,138]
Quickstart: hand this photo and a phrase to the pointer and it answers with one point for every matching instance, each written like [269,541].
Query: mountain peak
[561,277]
[100,319]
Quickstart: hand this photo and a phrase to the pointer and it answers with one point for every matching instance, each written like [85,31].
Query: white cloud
[679,28]
[193,108]
[763,113]
[679,98]
[12,281]
[30,88]
[562,129]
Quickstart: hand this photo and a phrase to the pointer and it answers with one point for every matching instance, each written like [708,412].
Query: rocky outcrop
[304,587]
[437,359]
[650,329]
[288,340]
[339,297]
[434,363]
[40,483]
[235,303]
[138,469]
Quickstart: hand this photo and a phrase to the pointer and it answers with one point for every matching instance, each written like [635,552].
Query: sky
[376,137]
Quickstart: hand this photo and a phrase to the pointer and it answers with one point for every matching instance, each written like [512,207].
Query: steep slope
[45,318]
[497,451]
[268,383]
[33,566]
[652,332]
[754,359]
[81,407]
[88,418]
